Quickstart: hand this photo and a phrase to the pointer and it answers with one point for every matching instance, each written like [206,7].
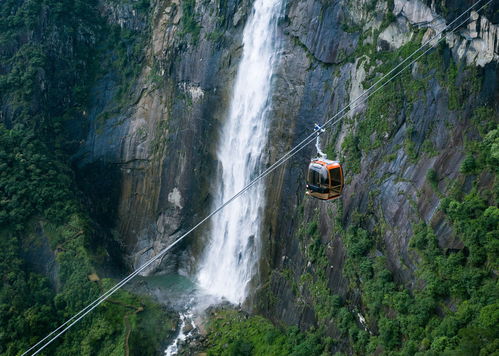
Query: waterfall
[231,257]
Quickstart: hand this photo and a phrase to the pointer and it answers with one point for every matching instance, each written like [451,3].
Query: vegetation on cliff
[450,306]
[49,53]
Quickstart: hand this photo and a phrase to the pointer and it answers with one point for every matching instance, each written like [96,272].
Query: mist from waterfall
[231,257]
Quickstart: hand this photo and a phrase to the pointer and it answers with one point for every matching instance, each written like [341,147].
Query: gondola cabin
[324,179]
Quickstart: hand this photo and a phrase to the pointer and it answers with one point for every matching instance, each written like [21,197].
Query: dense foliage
[40,66]
[31,181]
[46,61]
[49,56]
[233,333]
[26,307]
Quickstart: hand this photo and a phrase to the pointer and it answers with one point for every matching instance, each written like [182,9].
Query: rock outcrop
[477,43]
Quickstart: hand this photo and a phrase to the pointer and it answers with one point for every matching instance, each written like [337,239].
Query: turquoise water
[172,290]
[175,283]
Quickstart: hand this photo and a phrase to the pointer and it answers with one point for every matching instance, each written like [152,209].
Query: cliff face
[388,144]
[157,148]
[155,151]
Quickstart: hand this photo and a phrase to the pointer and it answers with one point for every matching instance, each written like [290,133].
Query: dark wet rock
[188,327]
[162,139]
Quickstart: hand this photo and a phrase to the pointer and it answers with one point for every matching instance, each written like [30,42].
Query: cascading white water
[231,257]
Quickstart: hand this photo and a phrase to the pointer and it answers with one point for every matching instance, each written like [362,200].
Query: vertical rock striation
[156,148]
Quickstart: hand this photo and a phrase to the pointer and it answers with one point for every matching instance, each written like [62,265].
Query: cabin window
[318,177]
[335,176]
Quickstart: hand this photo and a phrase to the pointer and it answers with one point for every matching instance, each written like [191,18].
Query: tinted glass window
[318,176]
[335,176]
[314,177]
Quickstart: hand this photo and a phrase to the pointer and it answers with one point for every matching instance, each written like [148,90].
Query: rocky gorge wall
[156,149]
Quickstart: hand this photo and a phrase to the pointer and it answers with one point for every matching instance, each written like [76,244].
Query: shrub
[432,177]
[469,164]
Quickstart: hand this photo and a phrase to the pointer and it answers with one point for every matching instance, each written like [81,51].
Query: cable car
[324,177]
